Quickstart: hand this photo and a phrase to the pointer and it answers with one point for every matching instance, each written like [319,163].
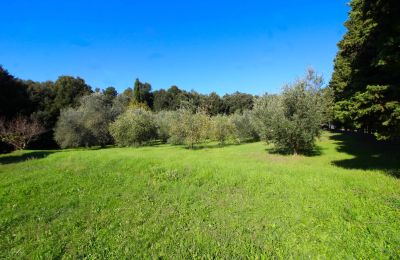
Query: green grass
[167,201]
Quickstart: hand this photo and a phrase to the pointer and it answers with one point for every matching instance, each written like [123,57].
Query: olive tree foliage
[134,127]
[292,120]
[189,128]
[244,127]
[69,130]
[86,125]
[222,129]
[119,105]
[164,121]
[176,128]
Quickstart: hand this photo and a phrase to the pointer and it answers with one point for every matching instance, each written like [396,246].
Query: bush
[222,129]
[292,120]
[244,127]
[86,125]
[134,127]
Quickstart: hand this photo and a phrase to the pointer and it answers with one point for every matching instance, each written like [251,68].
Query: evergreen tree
[366,78]
[142,93]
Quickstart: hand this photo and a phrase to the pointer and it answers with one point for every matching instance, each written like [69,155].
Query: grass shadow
[369,154]
[317,151]
[17,158]
[210,146]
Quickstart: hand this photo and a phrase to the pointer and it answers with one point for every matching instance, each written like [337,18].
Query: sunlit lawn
[168,201]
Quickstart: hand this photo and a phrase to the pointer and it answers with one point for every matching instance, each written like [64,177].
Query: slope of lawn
[237,200]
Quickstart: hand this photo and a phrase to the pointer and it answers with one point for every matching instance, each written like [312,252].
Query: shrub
[222,129]
[134,127]
[292,120]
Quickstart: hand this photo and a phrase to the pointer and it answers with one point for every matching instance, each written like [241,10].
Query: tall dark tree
[110,92]
[142,93]
[42,95]
[69,90]
[366,78]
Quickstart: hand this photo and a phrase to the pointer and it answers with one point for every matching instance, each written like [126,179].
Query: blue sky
[222,46]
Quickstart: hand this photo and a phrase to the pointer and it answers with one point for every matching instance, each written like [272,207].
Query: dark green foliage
[69,90]
[42,95]
[142,93]
[366,79]
[212,104]
[110,92]
[14,98]
[175,98]
[237,102]
[162,100]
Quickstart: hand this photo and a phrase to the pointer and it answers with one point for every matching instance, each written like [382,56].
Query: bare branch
[19,131]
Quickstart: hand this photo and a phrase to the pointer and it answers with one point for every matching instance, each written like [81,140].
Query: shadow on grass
[216,145]
[317,151]
[368,153]
[208,146]
[16,158]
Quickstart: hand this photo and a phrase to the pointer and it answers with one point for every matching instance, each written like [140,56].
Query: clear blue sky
[222,46]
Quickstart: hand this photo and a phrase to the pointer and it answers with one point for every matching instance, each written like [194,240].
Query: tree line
[70,113]
[41,103]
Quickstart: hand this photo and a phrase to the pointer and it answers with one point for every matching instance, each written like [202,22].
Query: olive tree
[190,128]
[292,120]
[222,129]
[244,126]
[86,125]
[176,128]
[134,127]
[70,130]
[164,121]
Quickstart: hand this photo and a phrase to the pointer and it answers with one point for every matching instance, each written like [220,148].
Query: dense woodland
[363,96]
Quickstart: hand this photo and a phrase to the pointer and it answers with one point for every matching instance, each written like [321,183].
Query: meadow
[163,201]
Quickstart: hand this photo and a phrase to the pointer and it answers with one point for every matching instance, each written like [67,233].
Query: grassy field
[167,201]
